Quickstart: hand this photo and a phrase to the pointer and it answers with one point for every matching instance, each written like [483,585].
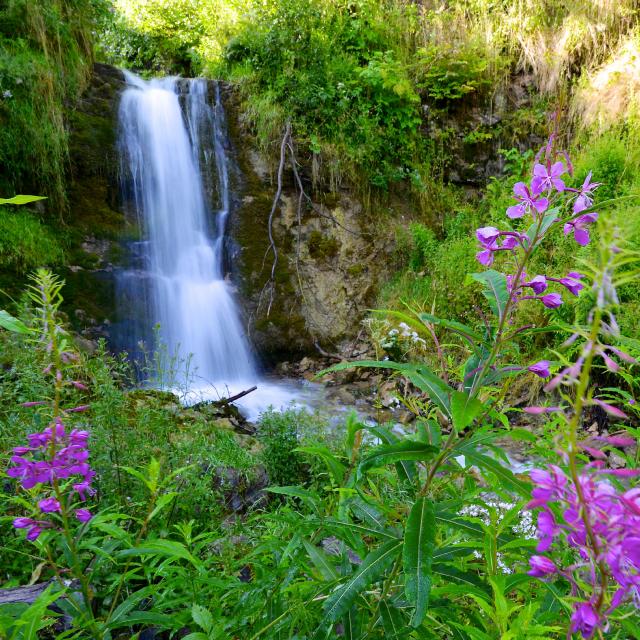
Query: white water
[167,151]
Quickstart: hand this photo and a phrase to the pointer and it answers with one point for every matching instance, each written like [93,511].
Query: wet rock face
[330,258]
[95,222]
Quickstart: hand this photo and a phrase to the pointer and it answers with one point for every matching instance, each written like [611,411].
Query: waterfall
[173,151]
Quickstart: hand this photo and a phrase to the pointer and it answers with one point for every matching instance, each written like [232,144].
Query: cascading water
[168,155]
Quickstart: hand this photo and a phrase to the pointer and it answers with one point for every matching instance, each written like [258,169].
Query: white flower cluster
[7,94]
[524,526]
[402,333]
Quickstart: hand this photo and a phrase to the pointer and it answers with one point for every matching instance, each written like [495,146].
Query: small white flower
[7,94]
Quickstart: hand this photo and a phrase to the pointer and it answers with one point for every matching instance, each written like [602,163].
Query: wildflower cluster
[545,200]
[52,459]
[54,465]
[603,525]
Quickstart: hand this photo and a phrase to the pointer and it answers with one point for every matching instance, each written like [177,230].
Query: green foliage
[26,243]
[449,74]
[280,434]
[45,56]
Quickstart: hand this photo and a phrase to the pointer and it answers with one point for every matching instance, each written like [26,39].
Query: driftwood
[24,595]
[225,408]
[231,399]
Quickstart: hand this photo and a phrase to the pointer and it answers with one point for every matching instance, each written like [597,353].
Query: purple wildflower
[529,201]
[34,527]
[610,409]
[585,619]
[541,369]
[585,192]
[83,515]
[488,238]
[579,228]
[538,284]
[552,300]
[49,505]
[547,177]
[536,411]
[571,282]
[53,455]
[596,512]
[541,566]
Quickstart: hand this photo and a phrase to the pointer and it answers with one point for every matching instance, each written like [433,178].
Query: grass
[26,243]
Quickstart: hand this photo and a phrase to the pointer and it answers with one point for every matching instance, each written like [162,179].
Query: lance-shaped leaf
[494,290]
[373,566]
[417,556]
[21,199]
[391,453]
[539,228]
[406,469]
[453,325]
[393,621]
[418,374]
[10,323]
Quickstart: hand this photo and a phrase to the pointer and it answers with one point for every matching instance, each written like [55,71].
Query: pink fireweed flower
[34,527]
[541,566]
[571,282]
[585,192]
[610,409]
[579,228]
[83,407]
[488,238]
[546,178]
[541,369]
[53,455]
[601,525]
[538,284]
[529,201]
[537,411]
[49,505]
[551,300]
[83,515]
[585,619]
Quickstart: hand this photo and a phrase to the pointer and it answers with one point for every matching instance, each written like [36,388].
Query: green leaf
[294,492]
[464,409]
[505,476]
[393,621]
[457,327]
[202,617]
[21,199]
[540,228]
[360,529]
[10,323]
[169,548]
[163,501]
[320,561]
[469,581]
[464,526]
[128,604]
[495,290]
[351,624]
[417,556]
[391,453]
[335,467]
[36,616]
[373,566]
[418,374]
[406,469]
